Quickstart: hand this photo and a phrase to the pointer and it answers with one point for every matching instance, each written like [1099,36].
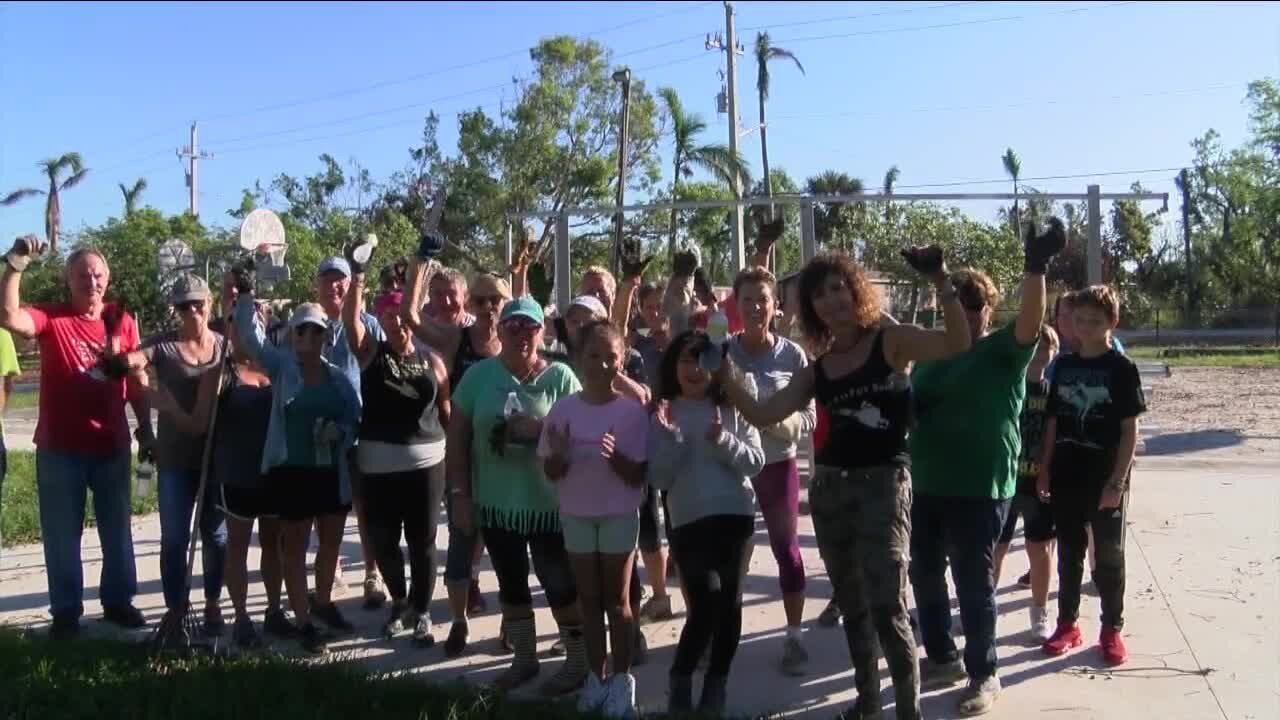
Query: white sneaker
[621,700]
[592,695]
[1041,629]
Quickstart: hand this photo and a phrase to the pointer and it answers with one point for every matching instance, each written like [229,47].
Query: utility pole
[191,153]
[729,44]
[622,77]
[1184,184]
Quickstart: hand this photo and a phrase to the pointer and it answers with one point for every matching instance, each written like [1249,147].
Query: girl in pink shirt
[593,447]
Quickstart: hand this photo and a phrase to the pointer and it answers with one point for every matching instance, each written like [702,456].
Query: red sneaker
[1112,646]
[1066,637]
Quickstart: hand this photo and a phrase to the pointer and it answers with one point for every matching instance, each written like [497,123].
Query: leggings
[778,490]
[710,552]
[509,551]
[409,500]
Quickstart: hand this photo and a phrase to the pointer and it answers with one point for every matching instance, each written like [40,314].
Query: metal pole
[1095,236]
[195,179]
[808,243]
[623,76]
[509,251]
[731,39]
[564,282]
[1184,183]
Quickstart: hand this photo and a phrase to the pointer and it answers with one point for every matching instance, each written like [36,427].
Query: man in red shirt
[82,436]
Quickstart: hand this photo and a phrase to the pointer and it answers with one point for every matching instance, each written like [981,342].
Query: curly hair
[669,373]
[975,289]
[866,296]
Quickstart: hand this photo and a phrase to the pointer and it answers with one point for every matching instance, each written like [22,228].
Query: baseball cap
[188,288]
[309,314]
[592,303]
[334,263]
[525,307]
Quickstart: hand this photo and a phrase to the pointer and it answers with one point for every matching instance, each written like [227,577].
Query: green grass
[1217,357]
[96,679]
[19,510]
[24,400]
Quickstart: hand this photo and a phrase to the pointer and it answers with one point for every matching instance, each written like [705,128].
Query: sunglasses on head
[309,329]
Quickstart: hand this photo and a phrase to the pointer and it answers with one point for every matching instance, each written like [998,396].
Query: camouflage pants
[862,518]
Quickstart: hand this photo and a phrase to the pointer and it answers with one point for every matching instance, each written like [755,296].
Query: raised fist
[244,275]
[927,261]
[25,249]
[767,230]
[684,263]
[1039,249]
[430,244]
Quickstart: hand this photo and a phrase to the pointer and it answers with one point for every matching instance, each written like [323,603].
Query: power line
[959,23]
[839,18]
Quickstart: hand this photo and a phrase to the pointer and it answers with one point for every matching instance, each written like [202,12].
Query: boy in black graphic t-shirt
[1094,404]
[1037,515]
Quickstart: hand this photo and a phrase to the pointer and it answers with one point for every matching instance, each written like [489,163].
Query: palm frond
[776,53]
[75,179]
[18,195]
[718,160]
[890,179]
[762,64]
[1012,165]
[834,182]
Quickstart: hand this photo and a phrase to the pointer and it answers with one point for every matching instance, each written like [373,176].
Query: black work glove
[24,250]
[430,244]
[633,266]
[702,286]
[927,261]
[684,263]
[767,231]
[115,367]
[1038,250]
[245,275]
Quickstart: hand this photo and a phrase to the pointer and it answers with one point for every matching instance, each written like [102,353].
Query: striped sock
[575,656]
[523,635]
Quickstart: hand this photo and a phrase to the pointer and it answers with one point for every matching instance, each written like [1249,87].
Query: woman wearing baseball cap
[496,483]
[314,412]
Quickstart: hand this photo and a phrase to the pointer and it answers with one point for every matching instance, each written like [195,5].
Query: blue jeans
[963,530]
[177,497]
[62,481]
[462,548]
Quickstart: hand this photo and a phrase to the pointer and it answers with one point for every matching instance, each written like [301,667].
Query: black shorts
[301,493]
[1037,519]
[246,503]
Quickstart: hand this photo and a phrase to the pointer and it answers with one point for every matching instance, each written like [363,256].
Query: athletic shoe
[1066,637]
[245,635]
[939,675]
[557,648]
[1040,627]
[374,597]
[794,657]
[127,617]
[332,617]
[66,627]
[422,636]
[592,696]
[396,621]
[515,676]
[620,700]
[456,643]
[276,624]
[1112,646]
[339,587]
[476,604]
[859,711]
[656,609]
[310,640]
[1025,580]
[214,625]
[830,615]
[978,697]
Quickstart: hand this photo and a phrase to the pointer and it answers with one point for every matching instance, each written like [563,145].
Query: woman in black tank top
[860,494]
[461,347]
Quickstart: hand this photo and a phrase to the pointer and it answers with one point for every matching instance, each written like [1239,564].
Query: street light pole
[623,77]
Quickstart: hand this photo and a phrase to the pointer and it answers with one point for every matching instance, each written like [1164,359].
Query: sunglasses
[521,326]
[309,329]
[189,306]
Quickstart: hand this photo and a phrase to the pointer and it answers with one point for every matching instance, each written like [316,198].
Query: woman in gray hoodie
[704,454]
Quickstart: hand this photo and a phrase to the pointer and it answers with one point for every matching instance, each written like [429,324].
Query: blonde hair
[610,284]
[976,285]
[497,282]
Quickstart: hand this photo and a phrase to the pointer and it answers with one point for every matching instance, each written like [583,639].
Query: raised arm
[1037,251]
[793,397]
[14,317]
[252,338]
[439,336]
[905,344]
[359,340]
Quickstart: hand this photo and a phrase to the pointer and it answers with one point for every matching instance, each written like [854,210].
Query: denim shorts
[606,534]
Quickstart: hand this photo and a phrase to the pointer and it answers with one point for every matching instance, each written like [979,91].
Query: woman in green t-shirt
[496,483]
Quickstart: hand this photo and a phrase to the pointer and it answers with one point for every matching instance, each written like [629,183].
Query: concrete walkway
[1203,559]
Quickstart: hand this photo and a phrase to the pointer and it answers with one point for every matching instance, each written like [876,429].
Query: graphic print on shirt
[402,372]
[854,403]
[1032,421]
[867,414]
[1088,394]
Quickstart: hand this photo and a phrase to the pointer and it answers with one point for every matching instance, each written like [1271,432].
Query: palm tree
[1013,168]
[890,179]
[131,195]
[53,168]
[687,155]
[765,51]
[826,216]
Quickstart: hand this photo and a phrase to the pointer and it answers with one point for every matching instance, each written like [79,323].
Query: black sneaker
[214,625]
[128,617]
[311,641]
[1025,580]
[245,635]
[66,627]
[276,624]
[456,643]
[332,617]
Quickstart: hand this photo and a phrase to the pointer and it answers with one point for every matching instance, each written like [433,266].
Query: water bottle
[144,478]
[363,251]
[324,453]
[512,405]
[718,331]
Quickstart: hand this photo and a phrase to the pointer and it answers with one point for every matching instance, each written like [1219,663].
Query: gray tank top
[241,432]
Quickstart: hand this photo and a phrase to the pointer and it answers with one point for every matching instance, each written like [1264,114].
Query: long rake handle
[204,468]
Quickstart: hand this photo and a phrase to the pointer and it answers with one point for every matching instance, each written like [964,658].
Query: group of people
[568,441]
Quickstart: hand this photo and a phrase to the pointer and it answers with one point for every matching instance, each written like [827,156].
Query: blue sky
[938,88]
